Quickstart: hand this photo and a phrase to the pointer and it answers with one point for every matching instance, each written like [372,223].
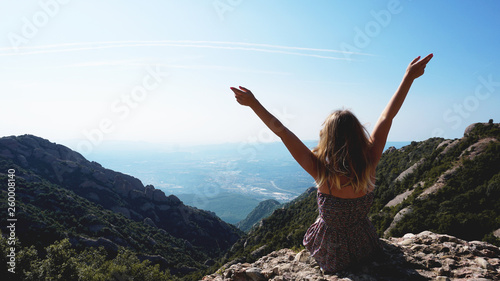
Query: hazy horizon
[214,177]
[127,145]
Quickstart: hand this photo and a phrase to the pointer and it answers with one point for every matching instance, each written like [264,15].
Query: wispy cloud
[107,63]
[145,63]
[241,46]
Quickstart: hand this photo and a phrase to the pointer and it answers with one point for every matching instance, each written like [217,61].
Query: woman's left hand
[417,66]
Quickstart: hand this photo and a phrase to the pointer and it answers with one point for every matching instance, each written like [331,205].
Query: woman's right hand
[417,66]
[244,96]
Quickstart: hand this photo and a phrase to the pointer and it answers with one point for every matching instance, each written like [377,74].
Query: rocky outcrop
[424,256]
[471,127]
[470,153]
[399,198]
[457,152]
[477,148]
[398,217]
[448,145]
[107,244]
[410,170]
[440,182]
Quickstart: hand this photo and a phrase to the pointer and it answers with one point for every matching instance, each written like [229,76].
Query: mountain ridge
[56,176]
[440,175]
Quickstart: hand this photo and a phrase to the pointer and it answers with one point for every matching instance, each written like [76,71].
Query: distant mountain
[444,186]
[231,207]
[59,194]
[263,210]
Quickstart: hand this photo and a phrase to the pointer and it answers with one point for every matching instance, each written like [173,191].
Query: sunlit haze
[83,73]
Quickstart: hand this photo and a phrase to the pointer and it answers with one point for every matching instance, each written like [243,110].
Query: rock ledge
[423,256]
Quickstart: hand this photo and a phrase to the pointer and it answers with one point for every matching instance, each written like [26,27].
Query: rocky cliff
[41,160]
[424,256]
[443,185]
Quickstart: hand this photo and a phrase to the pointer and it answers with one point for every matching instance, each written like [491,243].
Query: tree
[59,264]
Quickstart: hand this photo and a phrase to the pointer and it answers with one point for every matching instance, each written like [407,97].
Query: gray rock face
[159,196]
[469,128]
[399,216]
[106,243]
[410,170]
[424,256]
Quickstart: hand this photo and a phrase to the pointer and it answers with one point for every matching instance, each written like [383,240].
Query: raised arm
[299,151]
[383,126]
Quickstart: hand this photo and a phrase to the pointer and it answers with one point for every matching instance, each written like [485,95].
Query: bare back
[346,192]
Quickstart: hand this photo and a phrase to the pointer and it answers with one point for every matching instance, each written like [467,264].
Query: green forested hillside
[467,207]
[465,173]
[56,195]
[61,262]
[47,214]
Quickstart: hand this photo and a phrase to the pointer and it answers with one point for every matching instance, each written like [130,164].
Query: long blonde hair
[343,151]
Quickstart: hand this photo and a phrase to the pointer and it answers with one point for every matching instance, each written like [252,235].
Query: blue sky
[86,72]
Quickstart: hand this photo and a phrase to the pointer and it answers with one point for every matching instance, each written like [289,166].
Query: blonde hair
[343,151]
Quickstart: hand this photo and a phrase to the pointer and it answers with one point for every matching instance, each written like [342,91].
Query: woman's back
[346,191]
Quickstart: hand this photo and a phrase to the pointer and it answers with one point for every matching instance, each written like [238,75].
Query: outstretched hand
[244,96]
[417,66]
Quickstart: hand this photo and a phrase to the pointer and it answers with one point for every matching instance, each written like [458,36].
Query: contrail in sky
[86,46]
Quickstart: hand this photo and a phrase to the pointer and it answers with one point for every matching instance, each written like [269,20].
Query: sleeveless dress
[342,235]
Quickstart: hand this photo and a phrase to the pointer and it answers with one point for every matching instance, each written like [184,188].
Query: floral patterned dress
[342,235]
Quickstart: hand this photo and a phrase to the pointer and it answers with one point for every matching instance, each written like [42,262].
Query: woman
[343,166]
